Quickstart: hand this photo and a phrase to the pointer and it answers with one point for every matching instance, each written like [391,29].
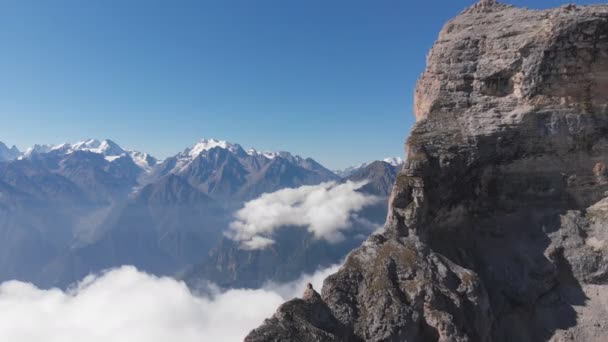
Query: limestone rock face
[498,223]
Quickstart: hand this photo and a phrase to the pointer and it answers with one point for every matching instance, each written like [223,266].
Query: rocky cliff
[498,223]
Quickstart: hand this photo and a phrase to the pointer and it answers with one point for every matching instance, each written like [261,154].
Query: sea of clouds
[325,210]
[126,305]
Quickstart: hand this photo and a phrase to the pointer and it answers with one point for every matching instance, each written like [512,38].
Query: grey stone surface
[498,223]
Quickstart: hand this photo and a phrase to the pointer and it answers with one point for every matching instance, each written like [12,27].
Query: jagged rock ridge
[498,223]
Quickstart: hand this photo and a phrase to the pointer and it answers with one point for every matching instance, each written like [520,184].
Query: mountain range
[71,209]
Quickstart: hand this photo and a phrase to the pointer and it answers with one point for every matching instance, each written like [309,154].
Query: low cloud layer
[125,305]
[325,210]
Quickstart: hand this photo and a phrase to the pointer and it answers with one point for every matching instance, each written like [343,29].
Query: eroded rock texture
[498,223]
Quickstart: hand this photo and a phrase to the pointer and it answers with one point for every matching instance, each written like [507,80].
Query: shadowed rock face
[498,223]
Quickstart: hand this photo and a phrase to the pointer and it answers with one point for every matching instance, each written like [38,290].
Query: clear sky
[329,79]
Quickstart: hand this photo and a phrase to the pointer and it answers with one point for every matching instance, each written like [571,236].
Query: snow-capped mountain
[344,173]
[7,154]
[394,161]
[225,171]
[208,144]
[110,150]
[145,161]
[37,149]
[204,145]
[184,159]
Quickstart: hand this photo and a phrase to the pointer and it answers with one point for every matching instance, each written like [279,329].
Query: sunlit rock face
[498,222]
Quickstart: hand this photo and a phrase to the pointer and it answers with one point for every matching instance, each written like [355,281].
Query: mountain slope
[167,226]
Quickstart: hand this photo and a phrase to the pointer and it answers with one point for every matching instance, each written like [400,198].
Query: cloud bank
[125,305]
[325,210]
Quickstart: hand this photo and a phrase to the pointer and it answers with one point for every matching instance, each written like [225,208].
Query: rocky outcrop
[498,223]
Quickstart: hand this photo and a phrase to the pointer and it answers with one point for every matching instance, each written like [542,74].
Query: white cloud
[325,210]
[125,305]
[257,242]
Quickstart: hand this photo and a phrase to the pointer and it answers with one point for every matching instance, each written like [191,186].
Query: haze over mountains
[69,210]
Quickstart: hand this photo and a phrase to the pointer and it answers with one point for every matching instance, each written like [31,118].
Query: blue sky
[330,79]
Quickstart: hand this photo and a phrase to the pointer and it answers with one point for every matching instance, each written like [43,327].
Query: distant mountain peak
[105,147]
[208,144]
[14,149]
[8,153]
[393,161]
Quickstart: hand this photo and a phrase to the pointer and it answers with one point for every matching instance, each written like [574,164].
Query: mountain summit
[8,153]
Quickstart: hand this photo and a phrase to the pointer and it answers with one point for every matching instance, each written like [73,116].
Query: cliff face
[498,223]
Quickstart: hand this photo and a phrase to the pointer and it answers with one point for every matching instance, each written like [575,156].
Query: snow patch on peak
[394,161]
[184,159]
[38,149]
[61,147]
[106,147]
[208,144]
[86,144]
[273,155]
[145,161]
[112,158]
[266,154]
